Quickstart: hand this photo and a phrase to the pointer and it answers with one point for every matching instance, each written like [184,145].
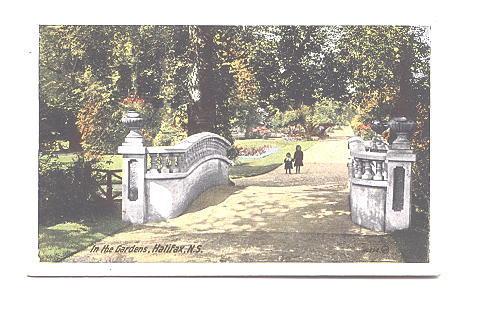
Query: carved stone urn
[402,129]
[133,121]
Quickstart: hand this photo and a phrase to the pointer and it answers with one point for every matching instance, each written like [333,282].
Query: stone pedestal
[398,199]
[399,168]
[133,187]
[134,167]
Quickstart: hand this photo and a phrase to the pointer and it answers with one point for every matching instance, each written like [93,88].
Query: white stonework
[170,197]
[399,219]
[368,206]
[133,210]
[380,183]
[176,175]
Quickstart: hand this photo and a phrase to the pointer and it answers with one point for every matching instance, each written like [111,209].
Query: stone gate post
[134,165]
[400,158]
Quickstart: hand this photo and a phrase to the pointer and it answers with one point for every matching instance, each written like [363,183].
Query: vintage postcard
[233,150]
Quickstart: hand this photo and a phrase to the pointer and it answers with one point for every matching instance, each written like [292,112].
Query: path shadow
[241,171]
[296,209]
[209,198]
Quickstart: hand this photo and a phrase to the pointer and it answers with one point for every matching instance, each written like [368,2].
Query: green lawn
[247,168]
[61,240]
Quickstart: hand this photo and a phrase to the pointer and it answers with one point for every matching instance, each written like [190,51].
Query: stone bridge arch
[161,182]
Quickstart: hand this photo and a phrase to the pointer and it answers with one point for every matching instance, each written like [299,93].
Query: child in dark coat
[288,163]
[298,159]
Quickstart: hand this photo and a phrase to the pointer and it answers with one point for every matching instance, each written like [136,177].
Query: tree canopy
[212,78]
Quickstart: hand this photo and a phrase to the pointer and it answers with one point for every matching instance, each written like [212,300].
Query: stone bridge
[161,182]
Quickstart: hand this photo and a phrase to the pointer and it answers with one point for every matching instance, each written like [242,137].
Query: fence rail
[110,179]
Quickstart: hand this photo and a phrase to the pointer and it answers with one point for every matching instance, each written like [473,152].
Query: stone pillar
[134,168]
[400,158]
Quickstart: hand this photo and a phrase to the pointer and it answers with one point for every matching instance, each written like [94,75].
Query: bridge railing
[368,165]
[380,182]
[160,182]
[182,157]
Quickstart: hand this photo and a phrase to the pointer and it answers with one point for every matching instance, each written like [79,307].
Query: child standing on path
[298,159]
[288,163]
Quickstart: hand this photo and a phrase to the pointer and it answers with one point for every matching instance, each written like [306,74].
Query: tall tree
[385,62]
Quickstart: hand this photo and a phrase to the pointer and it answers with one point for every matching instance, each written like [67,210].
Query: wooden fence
[109,184]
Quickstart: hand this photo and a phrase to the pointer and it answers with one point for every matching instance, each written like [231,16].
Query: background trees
[85,72]
[316,118]
[212,78]
[390,76]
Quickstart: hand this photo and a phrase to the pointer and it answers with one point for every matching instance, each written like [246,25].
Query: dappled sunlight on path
[272,217]
[306,208]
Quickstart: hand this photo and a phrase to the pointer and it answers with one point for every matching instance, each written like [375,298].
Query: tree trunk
[406,104]
[308,130]
[75,140]
[203,114]
[193,111]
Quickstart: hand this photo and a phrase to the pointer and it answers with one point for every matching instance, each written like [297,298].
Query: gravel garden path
[274,217]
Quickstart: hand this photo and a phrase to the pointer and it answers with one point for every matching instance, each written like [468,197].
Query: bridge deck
[269,218]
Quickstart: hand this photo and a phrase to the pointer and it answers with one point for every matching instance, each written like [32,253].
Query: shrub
[65,190]
[260,132]
[421,170]
[168,135]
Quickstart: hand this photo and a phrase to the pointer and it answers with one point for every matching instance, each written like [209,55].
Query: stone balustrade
[160,182]
[368,165]
[380,182]
[181,158]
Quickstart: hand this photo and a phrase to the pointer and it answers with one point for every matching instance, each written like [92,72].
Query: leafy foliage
[65,191]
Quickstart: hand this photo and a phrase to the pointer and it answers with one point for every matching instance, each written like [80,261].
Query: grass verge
[56,242]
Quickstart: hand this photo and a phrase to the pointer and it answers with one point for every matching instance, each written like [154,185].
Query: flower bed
[260,132]
[294,138]
[255,152]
